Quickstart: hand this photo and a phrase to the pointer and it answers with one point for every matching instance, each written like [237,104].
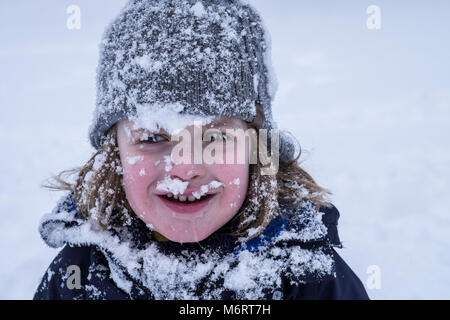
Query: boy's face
[153,176]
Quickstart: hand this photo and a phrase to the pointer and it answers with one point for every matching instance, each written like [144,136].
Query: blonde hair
[99,193]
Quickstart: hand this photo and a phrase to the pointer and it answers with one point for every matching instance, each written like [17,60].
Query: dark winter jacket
[292,259]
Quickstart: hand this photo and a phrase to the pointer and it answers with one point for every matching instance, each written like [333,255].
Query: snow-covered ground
[371,109]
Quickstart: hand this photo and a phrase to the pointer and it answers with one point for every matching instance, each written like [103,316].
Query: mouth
[186,204]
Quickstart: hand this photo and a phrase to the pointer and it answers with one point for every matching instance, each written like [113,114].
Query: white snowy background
[371,109]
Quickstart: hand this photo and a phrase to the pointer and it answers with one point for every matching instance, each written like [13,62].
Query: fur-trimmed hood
[298,250]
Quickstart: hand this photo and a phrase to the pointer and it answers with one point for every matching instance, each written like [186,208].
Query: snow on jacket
[291,259]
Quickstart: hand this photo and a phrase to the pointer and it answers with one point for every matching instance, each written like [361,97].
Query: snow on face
[134,160]
[153,117]
[175,186]
[149,172]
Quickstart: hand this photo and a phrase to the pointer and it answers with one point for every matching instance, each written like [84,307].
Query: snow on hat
[208,57]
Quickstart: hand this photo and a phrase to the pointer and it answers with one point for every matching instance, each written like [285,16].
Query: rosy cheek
[236,186]
[137,176]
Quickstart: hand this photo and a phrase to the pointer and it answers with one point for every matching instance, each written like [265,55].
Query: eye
[152,138]
[215,136]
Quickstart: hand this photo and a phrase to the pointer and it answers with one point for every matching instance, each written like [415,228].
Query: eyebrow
[215,123]
[145,130]
[221,123]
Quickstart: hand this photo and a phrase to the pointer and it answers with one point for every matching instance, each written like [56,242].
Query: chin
[190,236]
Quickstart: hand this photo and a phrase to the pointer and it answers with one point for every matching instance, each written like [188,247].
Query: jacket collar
[299,249]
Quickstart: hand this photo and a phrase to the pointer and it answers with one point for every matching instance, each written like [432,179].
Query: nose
[187,172]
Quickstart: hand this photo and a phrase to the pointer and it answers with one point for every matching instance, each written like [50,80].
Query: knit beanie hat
[210,57]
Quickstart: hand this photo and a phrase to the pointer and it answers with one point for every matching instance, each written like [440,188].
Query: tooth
[169,195]
[182,198]
[191,198]
[175,197]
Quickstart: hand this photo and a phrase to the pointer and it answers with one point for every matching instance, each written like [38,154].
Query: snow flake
[168,161]
[134,160]
[198,9]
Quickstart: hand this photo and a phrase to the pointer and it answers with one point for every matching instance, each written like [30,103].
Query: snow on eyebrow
[225,121]
[167,116]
